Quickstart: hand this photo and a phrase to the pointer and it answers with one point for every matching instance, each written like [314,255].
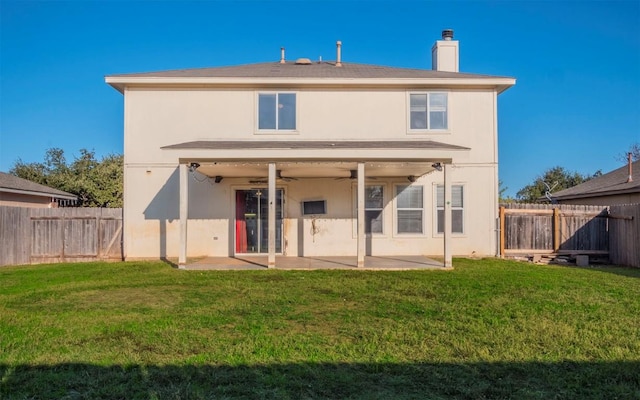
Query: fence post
[502,234]
[99,254]
[556,229]
[64,234]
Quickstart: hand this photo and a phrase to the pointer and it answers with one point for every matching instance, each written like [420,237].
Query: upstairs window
[428,111]
[457,208]
[277,111]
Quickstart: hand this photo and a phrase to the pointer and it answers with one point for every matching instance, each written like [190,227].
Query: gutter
[120,82]
[40,194]
[597,194]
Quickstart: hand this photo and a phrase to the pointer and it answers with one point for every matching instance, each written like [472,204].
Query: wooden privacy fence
[624,235]
[571,229]
[43,235]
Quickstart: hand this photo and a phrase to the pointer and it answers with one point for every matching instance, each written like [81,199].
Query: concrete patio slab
[372,263]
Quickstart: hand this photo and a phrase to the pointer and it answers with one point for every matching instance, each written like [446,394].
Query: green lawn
[488,329]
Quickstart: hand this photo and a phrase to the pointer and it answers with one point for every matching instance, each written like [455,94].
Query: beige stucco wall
[25,200]
[164,117]
[153,225]
[156,118]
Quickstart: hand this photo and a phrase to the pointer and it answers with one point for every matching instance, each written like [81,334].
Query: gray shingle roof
[12,183]
[614,182]
[314,70]
[315,144]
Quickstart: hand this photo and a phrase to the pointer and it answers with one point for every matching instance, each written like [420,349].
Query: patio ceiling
[316,169]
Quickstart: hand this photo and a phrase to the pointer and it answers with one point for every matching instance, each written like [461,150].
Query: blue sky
[576,102]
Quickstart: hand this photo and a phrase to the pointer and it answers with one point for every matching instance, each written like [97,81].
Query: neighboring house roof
[611,183]
[348,73]
[13,184]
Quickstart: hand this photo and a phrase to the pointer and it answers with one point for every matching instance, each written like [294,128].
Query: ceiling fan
[284,178]
[278,176]
[353,174]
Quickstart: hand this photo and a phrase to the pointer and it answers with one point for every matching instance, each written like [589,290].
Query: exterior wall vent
[303,61]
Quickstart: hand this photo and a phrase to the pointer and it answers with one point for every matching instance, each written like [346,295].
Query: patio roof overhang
[316,159]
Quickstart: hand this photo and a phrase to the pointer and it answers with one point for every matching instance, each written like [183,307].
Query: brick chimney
[444,53]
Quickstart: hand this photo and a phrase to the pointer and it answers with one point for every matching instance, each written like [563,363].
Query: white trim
[361,235]
[184,213]
[121,82]
[271,218]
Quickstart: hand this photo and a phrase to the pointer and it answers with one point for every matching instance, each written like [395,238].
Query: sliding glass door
[252,221]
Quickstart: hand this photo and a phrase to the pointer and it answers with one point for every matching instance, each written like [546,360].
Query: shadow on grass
[169,262]
[525,380]
[630,272]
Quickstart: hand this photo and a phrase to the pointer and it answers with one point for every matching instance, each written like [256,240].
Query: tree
[96,183]
[502,189]
[553,180]
[634,149]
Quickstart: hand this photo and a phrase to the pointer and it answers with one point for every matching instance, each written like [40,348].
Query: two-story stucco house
[308,158]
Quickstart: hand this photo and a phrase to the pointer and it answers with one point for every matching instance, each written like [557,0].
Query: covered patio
[372,263]
[270,162]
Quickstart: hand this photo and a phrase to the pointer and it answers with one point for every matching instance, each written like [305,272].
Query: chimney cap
[447,34]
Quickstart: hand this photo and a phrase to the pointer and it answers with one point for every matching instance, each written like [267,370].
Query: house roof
[314,70]
[13,184]
[315,73]
[611,183]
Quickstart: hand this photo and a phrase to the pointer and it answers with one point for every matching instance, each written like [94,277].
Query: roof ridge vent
[303,61]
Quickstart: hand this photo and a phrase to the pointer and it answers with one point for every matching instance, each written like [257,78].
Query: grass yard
[488,329]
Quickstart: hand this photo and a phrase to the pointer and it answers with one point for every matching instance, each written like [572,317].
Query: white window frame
[276,130]
[396,209]
[437,208]
[428,129]
[383,209]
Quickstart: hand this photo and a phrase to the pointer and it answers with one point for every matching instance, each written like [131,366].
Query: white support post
[184,211]
[271,263]
[360,235]
[447,216]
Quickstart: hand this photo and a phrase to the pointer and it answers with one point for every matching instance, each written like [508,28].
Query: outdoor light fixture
[437,166]
[218,179]
[193,166]
[411,178]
